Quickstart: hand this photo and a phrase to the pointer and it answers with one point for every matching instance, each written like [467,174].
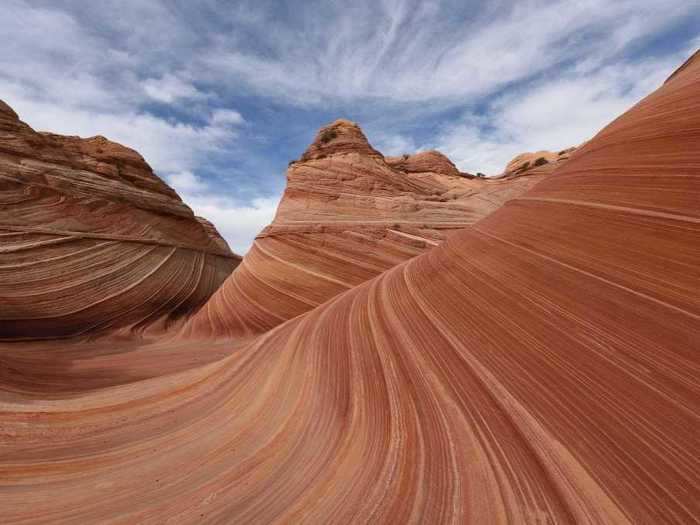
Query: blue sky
[220,96]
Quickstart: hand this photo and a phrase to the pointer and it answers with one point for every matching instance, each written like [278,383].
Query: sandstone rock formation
[538,161]
[92,239]
[424,162]
[347,214]
[539,366]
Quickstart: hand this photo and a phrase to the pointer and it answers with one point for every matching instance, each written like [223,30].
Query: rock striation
[93,240]
[347,214]
[537,162]
[424,162]
[538,366]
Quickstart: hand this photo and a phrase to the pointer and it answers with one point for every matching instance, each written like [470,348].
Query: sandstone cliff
[347,214]
[92,239]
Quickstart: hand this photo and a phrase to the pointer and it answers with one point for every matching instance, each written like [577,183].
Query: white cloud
[187,182]
[237,223]
[170,88]
[226,117]
[393,145]
[551,114]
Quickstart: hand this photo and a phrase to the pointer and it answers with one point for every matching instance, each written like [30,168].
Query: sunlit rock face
[93,240]
[347,214]
[536,162]
[424,162]
[538,366]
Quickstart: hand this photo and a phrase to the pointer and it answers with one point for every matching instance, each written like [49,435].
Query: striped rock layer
[92,240]
[347,214]
[544,161]
[540,366]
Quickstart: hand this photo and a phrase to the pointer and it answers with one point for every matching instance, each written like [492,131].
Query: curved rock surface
[541,161]
[347,214]
[424,162]
[93,240]
[538,367]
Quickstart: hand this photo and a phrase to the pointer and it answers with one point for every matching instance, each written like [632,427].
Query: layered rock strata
[536,162]
[93,240]
[538,367]
[347,214]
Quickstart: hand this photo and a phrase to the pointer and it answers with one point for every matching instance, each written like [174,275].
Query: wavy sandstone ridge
[539,367]
[92,239]
[347,214]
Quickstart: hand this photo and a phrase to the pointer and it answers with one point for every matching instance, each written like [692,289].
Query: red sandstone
[539,365]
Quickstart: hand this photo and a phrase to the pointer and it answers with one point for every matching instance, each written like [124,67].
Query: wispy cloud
[170,88]
[550,114]
[416,51]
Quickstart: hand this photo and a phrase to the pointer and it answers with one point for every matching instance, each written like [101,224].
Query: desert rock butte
[403,344]
[347,214]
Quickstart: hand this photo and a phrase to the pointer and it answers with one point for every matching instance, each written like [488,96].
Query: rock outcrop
[536,162]
[424,162]
[92,239]
[539,366]
[347,214]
